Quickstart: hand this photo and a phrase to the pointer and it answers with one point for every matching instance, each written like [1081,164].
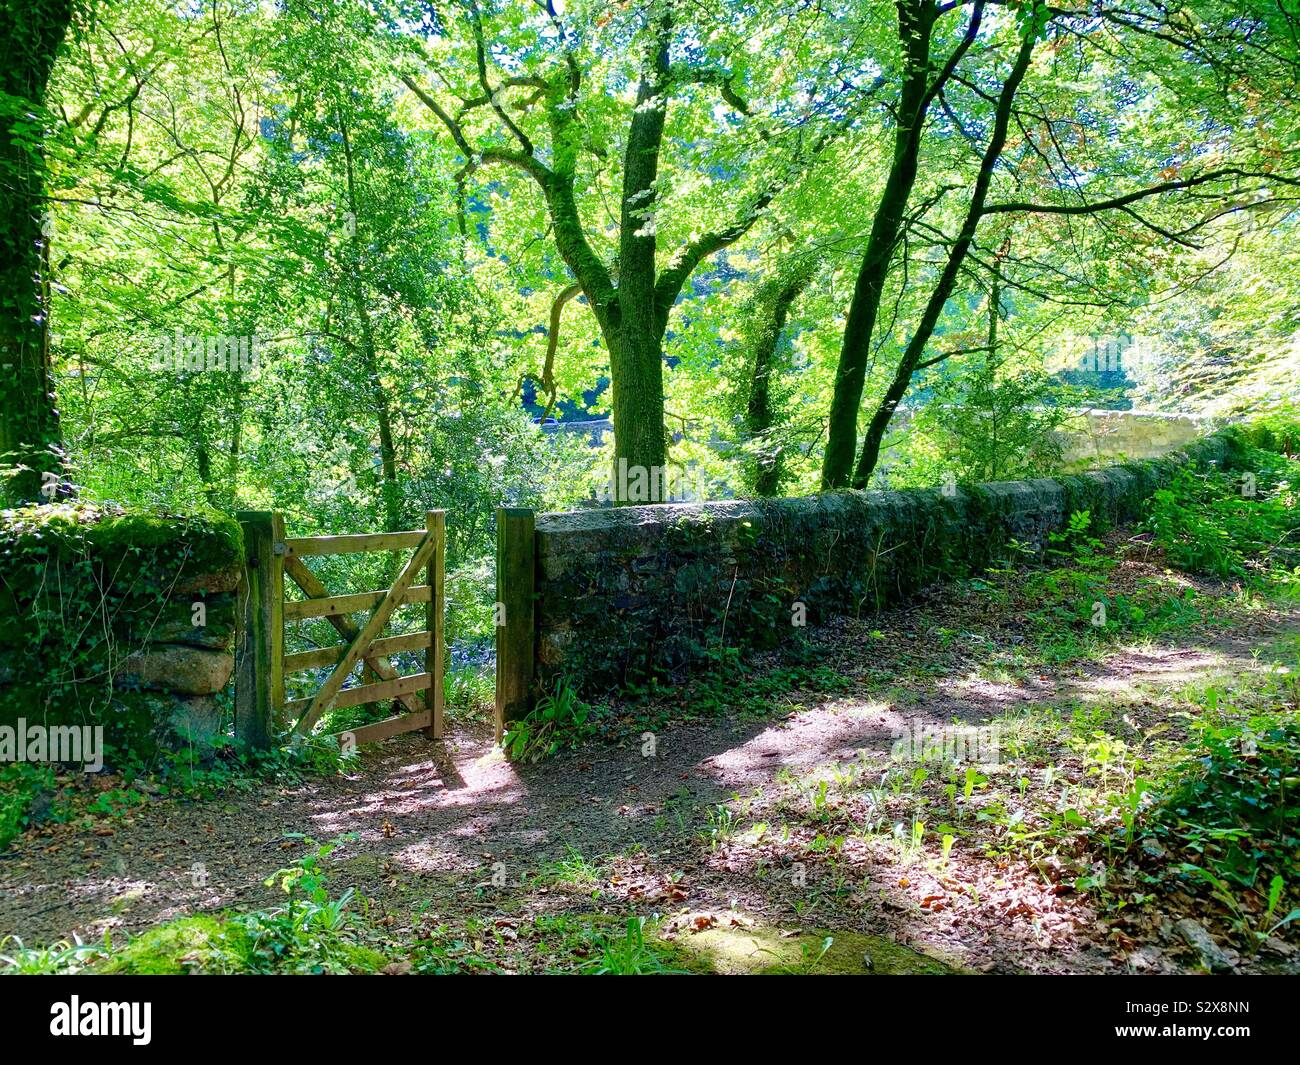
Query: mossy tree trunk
[31,32]
[910,361]
[766,315]
[920,85]
[636,350]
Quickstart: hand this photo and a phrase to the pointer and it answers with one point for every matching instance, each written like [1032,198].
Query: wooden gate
[261,707]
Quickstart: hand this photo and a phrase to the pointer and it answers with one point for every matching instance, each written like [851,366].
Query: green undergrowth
[728,687]
[36,795]
[1226,809]
[23,788]
[1238,525]
[559,719]
[312,932]
[578,944]
[1165,802]
[190,774]
[319,931]
[1241,527]
[1135,818]
[1203,803]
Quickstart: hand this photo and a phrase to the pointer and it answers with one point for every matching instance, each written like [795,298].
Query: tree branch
[552,343]
[480,56]
[681,74]
[526,162]
[1133,197]
[674,277]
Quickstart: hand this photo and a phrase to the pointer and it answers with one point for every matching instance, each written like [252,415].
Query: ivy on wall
[83,588]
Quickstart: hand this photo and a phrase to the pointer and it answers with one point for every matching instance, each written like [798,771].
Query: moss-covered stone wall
[629,592]
[120,619]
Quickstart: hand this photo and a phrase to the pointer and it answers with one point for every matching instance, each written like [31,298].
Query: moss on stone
[656,591]
[138,722]
[202,943]
[210,944]
[83,587]
[765,951]
[134,549]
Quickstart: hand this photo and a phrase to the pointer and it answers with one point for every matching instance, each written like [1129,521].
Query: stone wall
[635,591]
[118,619]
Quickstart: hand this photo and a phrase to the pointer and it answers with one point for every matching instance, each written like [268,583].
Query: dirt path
[435,825]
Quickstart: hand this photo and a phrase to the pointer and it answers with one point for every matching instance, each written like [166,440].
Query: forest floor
[755,815]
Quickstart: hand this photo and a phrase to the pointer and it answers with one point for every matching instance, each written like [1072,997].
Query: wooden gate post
[435,521]
[259,648]
[514,615]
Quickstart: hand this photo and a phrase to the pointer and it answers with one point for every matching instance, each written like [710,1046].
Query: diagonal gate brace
[363,639]
[344,625]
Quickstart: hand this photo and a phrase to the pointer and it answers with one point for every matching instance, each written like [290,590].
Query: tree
[530,97]
[31,32]
[763,327]
[921,79]
[157,118]
[1115,51]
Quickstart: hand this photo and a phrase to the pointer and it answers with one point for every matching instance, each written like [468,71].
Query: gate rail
[261,709]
